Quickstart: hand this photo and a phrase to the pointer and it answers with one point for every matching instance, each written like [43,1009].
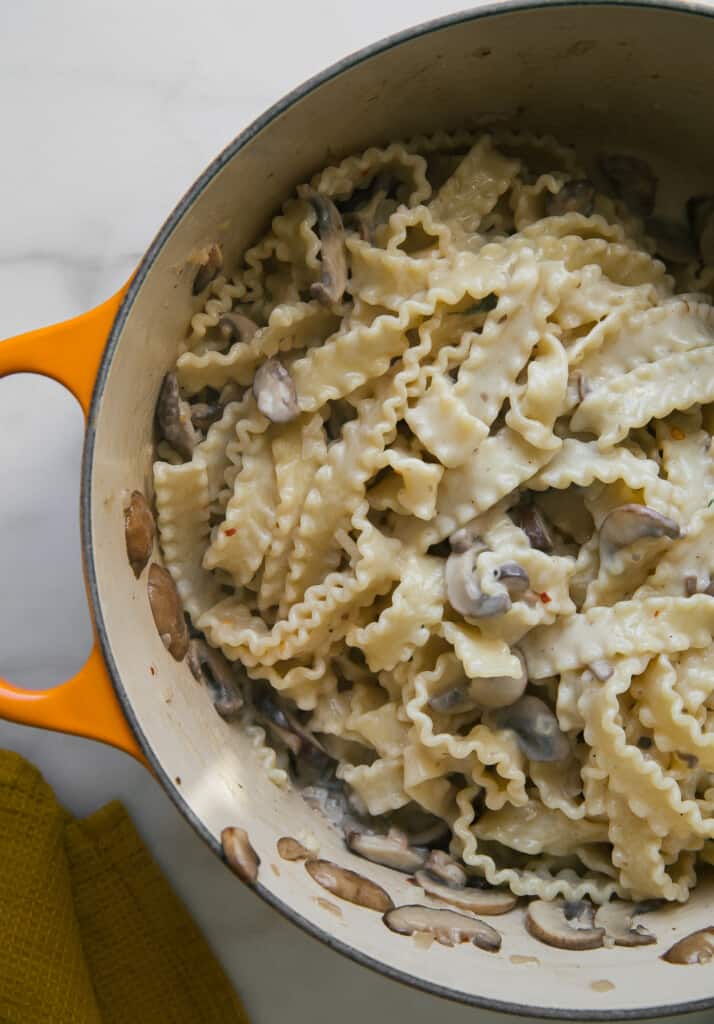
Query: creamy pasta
[435,478]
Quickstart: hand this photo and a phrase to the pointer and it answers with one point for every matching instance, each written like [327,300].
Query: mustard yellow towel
[90,931]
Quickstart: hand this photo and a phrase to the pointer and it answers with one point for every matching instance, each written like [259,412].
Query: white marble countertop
[109,112]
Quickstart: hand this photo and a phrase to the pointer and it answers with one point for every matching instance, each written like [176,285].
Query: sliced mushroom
[616,918]
[333,276]
[627,524]
[391,850]
[576,196]
[535,528]
[464,590]
[442,866]
[631,180]
[138,532]
[564,925]
[275,393]
[367,216]
[697,948]
[513,577]
[483,692]
[167,610]
[348,885]
[277,721]
[536,729]
[447,926]
[173,416]
[478,901]
[291,849]
[205,414]
[209,666]
[209,263]
[673,242]
[239,854]
[236,327]
[700,211]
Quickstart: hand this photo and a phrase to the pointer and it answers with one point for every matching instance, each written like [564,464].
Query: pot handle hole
[85,705]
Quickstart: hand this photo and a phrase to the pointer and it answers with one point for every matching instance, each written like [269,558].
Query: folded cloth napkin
[90,930]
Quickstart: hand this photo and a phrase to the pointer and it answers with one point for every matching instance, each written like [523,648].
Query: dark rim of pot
[488,10]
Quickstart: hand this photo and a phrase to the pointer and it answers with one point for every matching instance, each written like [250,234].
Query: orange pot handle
[86,704]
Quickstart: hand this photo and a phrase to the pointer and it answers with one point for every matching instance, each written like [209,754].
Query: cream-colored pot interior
[633,77]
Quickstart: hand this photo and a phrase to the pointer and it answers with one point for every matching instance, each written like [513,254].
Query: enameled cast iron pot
[636,75]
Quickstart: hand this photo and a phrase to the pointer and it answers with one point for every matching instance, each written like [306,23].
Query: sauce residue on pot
[326,905]
[603,985]
[697,948]
[518,958]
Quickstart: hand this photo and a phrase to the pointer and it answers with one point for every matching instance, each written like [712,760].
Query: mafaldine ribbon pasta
[442,499]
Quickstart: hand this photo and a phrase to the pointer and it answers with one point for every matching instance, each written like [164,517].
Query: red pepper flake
[545,597]
[657,612]
[677,434]
[230,532]
[152,670]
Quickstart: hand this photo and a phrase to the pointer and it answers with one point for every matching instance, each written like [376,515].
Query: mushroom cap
[173,416]
[275,393]
[139,531]
[536,729]
[442,867]
[240,855]
[631,180]
[697,948]
[167,611]
[616,918]
[464,590]
[472,898]
[575,196]
[348,885]
[333,258]
[447,926]
[209,666]
[626,524]
[564,925]
[391,850]
[210,261]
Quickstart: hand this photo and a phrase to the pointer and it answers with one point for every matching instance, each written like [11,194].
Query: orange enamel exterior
[85,705]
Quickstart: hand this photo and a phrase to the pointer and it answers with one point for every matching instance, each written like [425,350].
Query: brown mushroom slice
[349,886]
[564,925]
[209,263]
[576,196]
[626,524]
[536,729]
[210,667]
[700,211]
[631,180]
[447,926]
[167,610]
[673,242]
[367,216]
[616,918]
[535,528]
[173,416]
[236,327]
[463,589]
[333,258]
[697,948]
[478,901]
[391,850]
[275,393]
[239,854]
[138,532]
[290,849]
[513,577]
[205,414]
[442,866]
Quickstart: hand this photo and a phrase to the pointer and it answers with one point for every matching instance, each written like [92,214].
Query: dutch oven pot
[601,75]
